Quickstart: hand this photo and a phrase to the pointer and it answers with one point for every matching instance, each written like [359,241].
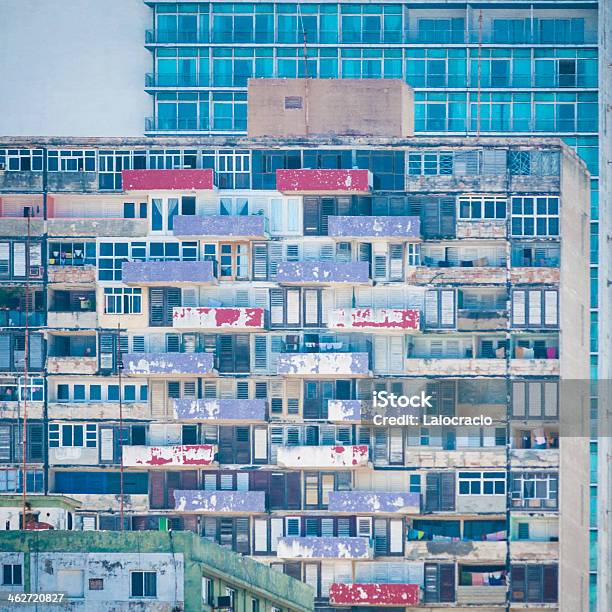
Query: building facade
[138,571]
[207,329]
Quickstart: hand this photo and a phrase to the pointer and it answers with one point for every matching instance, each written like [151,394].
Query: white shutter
[518,308]
[363,298]
[157,392]
[343,297]
[261,535]
[293,306]
[260,441]
[379,259]
[447,308]
[381,358]
[311,576]
[396,536]
[276,532]
[106,444]
[89,523]
[518,399]
[311,306]
[551,304]
[277,306]
[190,297]
[431,308]
[551,399]
[535,399]
[535,307]
[396,354]
[19,259]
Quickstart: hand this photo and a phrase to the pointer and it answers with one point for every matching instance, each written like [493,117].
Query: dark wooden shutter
[156,306]
[156,489]
[35,452]
[189,480]
[328,207]
[242,351]
[311,216]
[226,353]
[242,543]
[447,217]
[517,583]
[447,491]
[447,582]
[226,444]
[432,493]
[173,481]
[293,491]
[242,436]
[432,587]
[294,570]
[534,583]
[551,584]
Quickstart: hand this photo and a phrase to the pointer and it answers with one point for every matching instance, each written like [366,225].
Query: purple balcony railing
[324,548]
[221,226]
[309,364]
[374,227]
[219,501]
[372,501]
[168,363]
[220,410]
[323,272]
[168,272]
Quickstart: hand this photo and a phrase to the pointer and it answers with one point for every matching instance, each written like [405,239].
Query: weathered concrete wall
[481,594]
[169,456]
[322,456]
[305,272]
[376,107]
[323,364]
[534,275]
[13,410]
[469,504]
[461,276]
[73,455]
[445,183]
[192,317]
[492,228]
[18,227]
[324,548]
[97,227]
[534,367]
[374,502]
[323,181]
[442,459]
[167,272]
[464,551]
[72,365]
[72,274]
[455,367]
[168,363]
[220,501]
[476,320]
[534,551]
[72,320]
[96,410]
[534,458]
[221,226]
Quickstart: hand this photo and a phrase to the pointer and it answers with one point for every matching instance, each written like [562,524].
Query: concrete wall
[375,107]
[575,373]
[73,68]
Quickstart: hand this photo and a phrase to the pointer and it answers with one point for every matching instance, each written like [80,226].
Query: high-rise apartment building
[256,294]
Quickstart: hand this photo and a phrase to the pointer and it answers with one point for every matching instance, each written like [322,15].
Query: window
[21,160]
[96,584]
[535,308]
[535,216]
[535,399]
[122,300]
[12,574]
[144,584]
[477,208]
[430,164]
[71,161]
[208,591]
[64,435]
[415,483]
[72,253]
[481,483]
[233,260]
[534,583]
[440,308]
[534,489]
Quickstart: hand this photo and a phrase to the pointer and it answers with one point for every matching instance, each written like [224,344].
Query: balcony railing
[182,455]
[219,501]
[324,548]
[314,457]
[374,594]
[17,318]
[323,364]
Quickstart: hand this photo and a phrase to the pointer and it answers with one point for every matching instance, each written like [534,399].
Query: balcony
[374,318]
[326,182]
[72,275]
[539,275]
[344,411]
[18,226]
[324,548]
[481,320]
[72,365]
[492,228]
[156,180]
[534,458]
[530,550]
[73,320]
[155,273]
[463,550]
[168,363]
[315,457]
[233,410]
[374,227]
[374,594]
[222,227]
[437,458]
[219,501]
[469,275]
[323,364]
[455,367]
[230,318]
[534,367]
[481,595]
[323,272]
[182,455]
[373,502]
[98,227]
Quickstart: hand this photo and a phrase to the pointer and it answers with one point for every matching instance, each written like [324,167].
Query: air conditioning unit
[36,272]
[28,211]
[224,602]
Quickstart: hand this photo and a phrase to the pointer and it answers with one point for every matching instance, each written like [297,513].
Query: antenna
[26,347]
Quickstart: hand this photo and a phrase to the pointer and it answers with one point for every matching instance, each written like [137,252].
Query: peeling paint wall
[374,318]
[220,410]
[186,179]
[168,363]
[323,181]
[323,456]
[169,456]
[373,502]
[455,367]
[98,227]
[72,274]
[219,501]
[156,272]
[72,365]
[324,547]
[374,227]
[344,410]
[190,317]
[323,272]
[373,594]
[326,364]
[223,226]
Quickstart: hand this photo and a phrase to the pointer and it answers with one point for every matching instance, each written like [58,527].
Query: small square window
[11,574]
[96,584]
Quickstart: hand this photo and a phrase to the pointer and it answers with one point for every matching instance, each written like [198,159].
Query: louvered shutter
[447,491]
[518,308]
[550,584]
[381,354]
[551,305]
[292,297]
[494,162]
[518,585]
[108,351]
[396,536]
[36,444]
[260,261]
[465,163]
[396,354]
[396,262]
[261,353]
[431,308]
[379,260]
[156,306]
[380,454]
[535,308]
[156,490]
[311,307]
[275,256]
[447,217]
[242,352]
[157,393]
[36,352]
[311,216]
[447,582]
